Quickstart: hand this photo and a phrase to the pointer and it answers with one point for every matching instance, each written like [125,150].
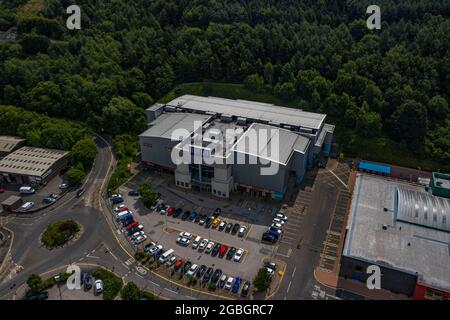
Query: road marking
[154,283]
[289,287]
[139,275]
[191,298]
[171,291]
[126,266]
[293,272]
[337,178]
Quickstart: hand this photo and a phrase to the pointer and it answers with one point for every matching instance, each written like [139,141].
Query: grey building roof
[278,147]
[165,124]
[382,237]
[30,161]
[327,128]
[250,110]
[9,143]
[423,209]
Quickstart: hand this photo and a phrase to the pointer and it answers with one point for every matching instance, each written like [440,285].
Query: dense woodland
[393,82]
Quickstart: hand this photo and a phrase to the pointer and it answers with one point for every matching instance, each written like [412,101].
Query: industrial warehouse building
[31,166]
[405,230]
[8,144]
[236,163]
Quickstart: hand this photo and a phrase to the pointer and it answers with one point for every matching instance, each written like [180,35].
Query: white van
[166,255]
[123,213]
[26,190]
[196,242]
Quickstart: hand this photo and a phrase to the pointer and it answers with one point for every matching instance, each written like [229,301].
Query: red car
[178,265]
[132,225]
[170,211]
[223,250]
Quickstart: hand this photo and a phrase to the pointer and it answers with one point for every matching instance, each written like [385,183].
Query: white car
[277,225]
[270,271]
[281,217]
[137,234]
[140,239]
[171,261]
[28,205]
[183,241]
[155,249]
[242,230]
[185,235]
[238,255]
[98,287]
[63,186]
[192,270]
[203,244]
[277,220]
[209,247]
[229,283]
[196,242]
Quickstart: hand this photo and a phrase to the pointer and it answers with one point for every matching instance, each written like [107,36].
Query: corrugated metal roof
[9,143]
[251,110]
[165,124]
[423,209]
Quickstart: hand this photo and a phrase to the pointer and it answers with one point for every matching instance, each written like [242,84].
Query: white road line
[289,287]
[154,283]
[293,272]
[171,291]
[139,275]
[126,266]
[337,178]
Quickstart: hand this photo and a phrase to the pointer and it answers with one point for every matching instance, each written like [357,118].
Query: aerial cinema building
[219,149]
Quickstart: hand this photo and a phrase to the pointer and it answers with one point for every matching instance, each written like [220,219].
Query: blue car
[236,285]
[192,216]
[274,231]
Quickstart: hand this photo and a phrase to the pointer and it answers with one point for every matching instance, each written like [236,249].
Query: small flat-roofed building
[440,184]
[32,166]
[402,229]
[9,143]
[12,203]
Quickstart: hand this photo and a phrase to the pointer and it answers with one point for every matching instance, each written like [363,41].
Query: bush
[120,175]
[111,283]
[59,233]
[262,280]
[148,295]
[131,292]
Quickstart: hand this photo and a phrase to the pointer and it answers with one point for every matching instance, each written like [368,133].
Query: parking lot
[164,229]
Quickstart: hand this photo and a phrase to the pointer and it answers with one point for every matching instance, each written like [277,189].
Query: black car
[83,277]
[208,222]
[268,237]
[87,283]
[160,206]
[133,193]
[245,289]
[197,218]
[215,249]
[229,227]
[185,215]
[48,200]
[159,254]
[80,192]
[235,228]
[39,296]
[177,212]
[208,274]
[231,253]
[186,266]
[217,212]
[216,276]
[201,271]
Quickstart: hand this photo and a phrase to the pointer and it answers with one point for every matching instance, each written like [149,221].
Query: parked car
[182,241]
[215,250]
[245,289]
[116,198]
[27,205]
[158,254]
[231,253]
[202,220]
[98,287]
[171,261]
[192,216]
[222,225]
[26,190]
[203,244]
[216,276]
[277,226]
[274,230]
[268,237]
[222,281]
[192,270]
[209,247]
[196,242]
[201,271]
[281,217]
[198,218]
[228,283]
[87,283]
[149,246]
[154,250]
[170,211]
[48,200]
[271,265]
[215,223]
[270,271]
[39,296]
[120,208]
[136,229]
[217,212]
[80,192]
[186,266]
[235,228]
[238,255]
[208,274]
[63,186]
[137,234]
[185,235]
[185,215]
[223,250]
[229,227]
[178,264]
[140,239]
[242,231]
[276,220]
[236,285]
[163,209]
[177,212]
[53,195]
[208,222]
[133,193]
[132,225]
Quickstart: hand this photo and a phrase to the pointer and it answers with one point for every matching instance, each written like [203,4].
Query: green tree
[262,280]
[121,115]
[75,175]
[84,152]
[131,292]
[35,283]
[147,194]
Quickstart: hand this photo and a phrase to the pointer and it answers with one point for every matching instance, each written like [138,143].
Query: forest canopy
[392,83]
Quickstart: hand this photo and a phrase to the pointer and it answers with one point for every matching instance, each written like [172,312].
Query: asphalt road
[96,245]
